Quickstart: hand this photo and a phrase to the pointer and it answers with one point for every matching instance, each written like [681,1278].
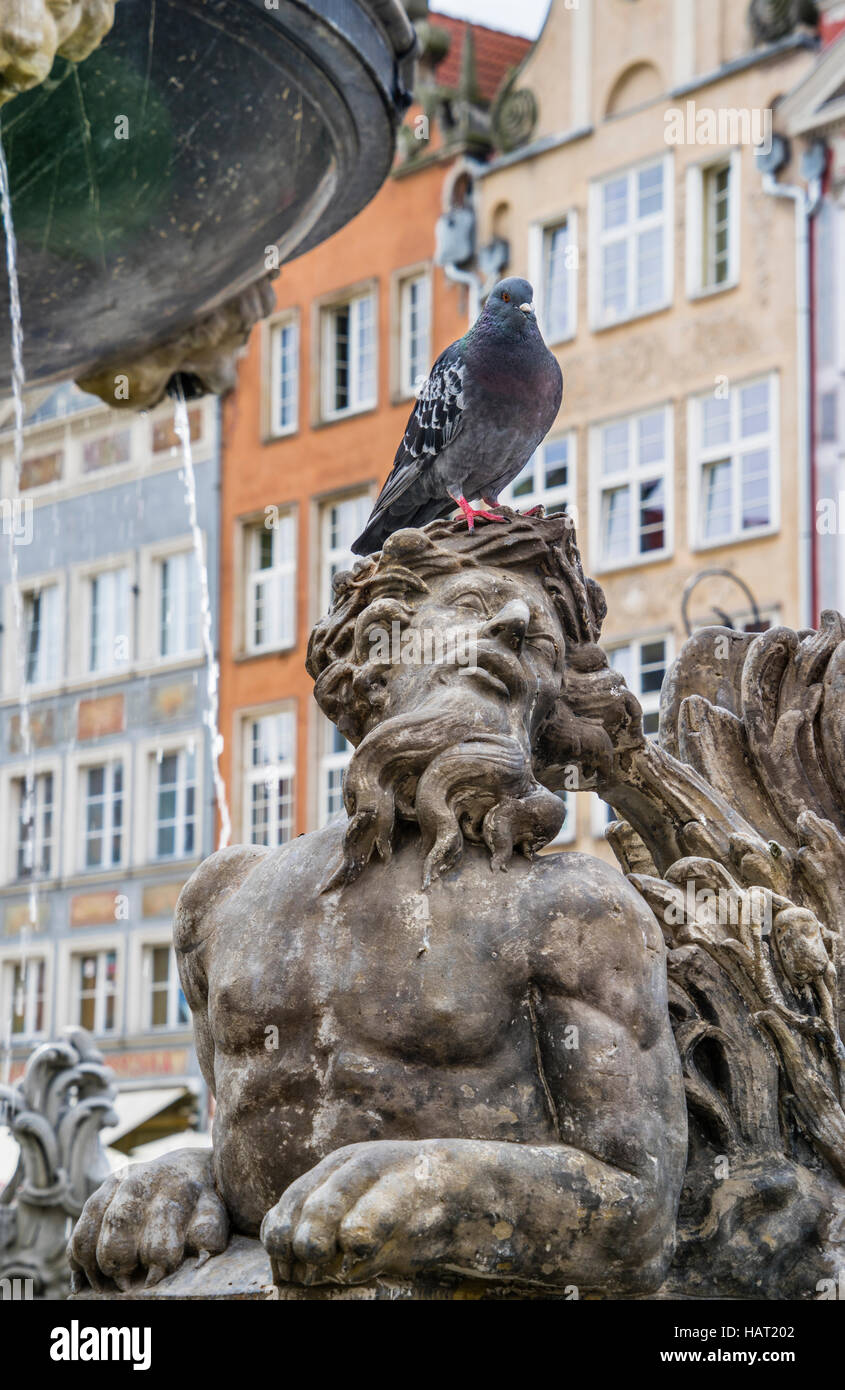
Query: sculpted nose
[509,625]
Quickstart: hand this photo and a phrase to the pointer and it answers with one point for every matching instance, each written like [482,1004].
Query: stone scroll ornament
[34,32]
[733,832]
[55,1113]
[446,1065]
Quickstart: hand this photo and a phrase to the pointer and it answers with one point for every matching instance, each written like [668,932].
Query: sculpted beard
[436,766]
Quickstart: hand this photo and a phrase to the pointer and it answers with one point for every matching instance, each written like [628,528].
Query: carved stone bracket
[34,32]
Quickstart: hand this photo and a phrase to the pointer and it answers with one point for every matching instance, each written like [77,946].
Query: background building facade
[122,781]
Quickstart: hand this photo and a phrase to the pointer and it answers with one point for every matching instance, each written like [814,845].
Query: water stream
[183,430]
[27,830]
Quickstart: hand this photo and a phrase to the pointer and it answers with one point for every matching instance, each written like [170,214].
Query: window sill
[273,436]
[324,421]
[635,562]
[600,326]
[712,291]
[264,652]
[736,538]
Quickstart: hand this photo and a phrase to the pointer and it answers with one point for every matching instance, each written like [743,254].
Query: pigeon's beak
[527,308]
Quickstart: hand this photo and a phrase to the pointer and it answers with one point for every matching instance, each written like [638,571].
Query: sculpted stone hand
[148,1217]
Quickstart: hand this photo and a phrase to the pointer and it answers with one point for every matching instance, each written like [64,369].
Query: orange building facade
[309,435]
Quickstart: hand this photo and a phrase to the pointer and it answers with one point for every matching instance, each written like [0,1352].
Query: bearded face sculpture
[466,670]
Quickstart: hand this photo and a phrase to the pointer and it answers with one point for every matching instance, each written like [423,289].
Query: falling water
[28,806]
[183,430]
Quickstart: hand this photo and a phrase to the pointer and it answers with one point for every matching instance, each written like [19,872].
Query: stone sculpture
[55,1112]
[430,1073]
[33,32]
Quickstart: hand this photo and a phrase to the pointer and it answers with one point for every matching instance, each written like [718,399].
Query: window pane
[617,524]
[615,203]
[715,421]
[754,409]
[755,489]
[615,448]
[651,439]
[717,499]
[649,267]
[651,516]
[614,278]
[650,191]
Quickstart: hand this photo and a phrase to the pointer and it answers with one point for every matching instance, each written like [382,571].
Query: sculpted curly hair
[595,715]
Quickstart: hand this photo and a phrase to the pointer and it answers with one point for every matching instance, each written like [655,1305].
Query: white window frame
[330,761]
[24,960]
[278,768]
[100,990]
[600,238]
[55,675]
[86,943]
[697,282]
[54,840]
[333,559]
[699,458]
[360,399]
[118,625]
[9,776]
[173,988]
[283,324]
[155,757]
[409,382]
[538,261]
[543,495]
[600,483]
[187,561]
[108,763]
[649,702]
[279,580]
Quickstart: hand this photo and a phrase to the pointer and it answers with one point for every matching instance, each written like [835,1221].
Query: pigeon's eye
[506,297]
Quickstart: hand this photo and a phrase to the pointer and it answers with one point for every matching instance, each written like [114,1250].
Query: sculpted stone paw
[140,1223]
[359,1213]
[32,32]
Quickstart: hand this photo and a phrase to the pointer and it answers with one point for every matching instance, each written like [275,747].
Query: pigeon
[489,400]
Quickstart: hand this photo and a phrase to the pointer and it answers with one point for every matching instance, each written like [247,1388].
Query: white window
[630,485]
[548,478]
[103,825]
[284,378]
[42,623]
[175,817]
[164,1003]
[336,754]
[631,228]
[341,522]
[36,814]
[25,997]
[643,664]
[568,830]
[555,269]
[733,463]
[271,585]
[713,213]
[270,761]
[414,333]
[95,990]
[178,609]
[108,627]
[349,357]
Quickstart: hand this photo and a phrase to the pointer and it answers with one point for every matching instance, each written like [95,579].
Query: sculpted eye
[470,600]
[546,644]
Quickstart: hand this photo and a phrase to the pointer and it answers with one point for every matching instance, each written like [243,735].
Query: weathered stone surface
[446,1068]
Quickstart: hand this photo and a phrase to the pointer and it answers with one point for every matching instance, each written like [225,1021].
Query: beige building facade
[669,282]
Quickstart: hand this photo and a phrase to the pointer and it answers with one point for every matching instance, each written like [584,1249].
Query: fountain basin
[203,143]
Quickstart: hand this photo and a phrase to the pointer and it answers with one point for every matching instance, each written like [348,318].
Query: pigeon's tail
[384,521]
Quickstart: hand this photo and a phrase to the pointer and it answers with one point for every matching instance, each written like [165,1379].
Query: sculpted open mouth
[499,671]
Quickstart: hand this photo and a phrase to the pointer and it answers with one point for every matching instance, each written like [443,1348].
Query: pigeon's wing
[436,419]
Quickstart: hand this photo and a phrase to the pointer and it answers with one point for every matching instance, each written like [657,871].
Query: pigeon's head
[510,304]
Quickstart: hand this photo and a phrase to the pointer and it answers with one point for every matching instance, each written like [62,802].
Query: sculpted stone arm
[150,1215]
[596,1209]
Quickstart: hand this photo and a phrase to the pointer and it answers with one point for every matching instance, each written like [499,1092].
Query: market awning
[147,1115]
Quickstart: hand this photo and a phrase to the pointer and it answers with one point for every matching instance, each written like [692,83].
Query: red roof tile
[495,53]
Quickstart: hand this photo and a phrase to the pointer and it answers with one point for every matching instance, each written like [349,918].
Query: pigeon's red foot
[470,513]
[534,511]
